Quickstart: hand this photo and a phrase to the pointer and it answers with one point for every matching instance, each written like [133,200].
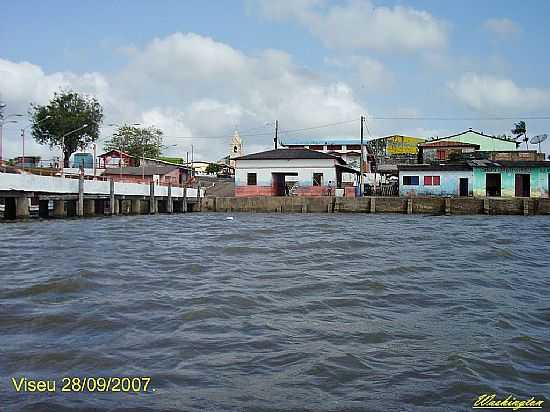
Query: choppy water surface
[278,312]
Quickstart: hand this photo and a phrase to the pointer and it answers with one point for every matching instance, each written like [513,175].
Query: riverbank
[416,205]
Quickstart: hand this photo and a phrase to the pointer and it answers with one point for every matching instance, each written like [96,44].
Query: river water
[279,312]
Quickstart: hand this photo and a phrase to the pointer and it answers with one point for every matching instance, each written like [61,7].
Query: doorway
[523,185]
[280,185]
[493,184]
[463,187]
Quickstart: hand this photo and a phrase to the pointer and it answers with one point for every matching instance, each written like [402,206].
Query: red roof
[448,143]
[117,152]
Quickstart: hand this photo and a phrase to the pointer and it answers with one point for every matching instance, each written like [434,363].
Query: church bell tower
[236,148]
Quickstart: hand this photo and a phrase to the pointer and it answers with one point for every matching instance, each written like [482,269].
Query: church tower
[236,148]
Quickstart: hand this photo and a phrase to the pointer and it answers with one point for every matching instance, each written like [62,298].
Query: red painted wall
[313,191]
[244,191]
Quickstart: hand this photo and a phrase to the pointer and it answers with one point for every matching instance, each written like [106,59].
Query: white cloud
[359,24]
[190,85]
[489,93]
[371,74]
[501,27]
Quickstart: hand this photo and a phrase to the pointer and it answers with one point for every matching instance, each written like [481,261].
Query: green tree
[137,141]
[213,168]
[519,130]
[61,122]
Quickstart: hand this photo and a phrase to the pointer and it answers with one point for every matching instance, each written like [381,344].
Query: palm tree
[520,129]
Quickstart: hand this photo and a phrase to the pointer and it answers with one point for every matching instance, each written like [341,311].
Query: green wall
[538,179]
[484,142]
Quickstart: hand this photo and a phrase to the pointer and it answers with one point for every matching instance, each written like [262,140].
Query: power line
[459,118]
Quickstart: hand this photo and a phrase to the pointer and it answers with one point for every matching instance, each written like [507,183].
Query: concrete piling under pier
[22,210]
[59,208]
[89,207]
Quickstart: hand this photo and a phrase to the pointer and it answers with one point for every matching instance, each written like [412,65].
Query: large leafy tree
[137,141]
[61,121]
[520,130]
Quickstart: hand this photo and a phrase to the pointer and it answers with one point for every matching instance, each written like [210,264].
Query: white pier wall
[60,185]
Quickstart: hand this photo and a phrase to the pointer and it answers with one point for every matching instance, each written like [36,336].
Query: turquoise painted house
[511,179]
[484,141]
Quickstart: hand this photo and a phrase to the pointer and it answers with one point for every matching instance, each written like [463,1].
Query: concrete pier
[89,207]
[88,197]
[59,208]
[22,210]
[136,206]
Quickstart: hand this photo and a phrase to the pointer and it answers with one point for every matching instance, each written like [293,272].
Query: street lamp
[23,137]
[63,144]
[3,121]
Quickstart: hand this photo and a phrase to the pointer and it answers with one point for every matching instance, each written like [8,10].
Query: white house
[436,180]
[281,171]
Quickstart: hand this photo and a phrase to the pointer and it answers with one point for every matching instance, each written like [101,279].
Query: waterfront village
[468,164]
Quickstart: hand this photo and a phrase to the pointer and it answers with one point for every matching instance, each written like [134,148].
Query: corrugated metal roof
[436,167]
[323,141]
[509,163]
[289,154]
[139,171]
[447,143]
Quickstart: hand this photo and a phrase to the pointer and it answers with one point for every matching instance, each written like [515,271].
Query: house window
[353,147]
[252,179]
[441,154]
[316,147]
[334,147]
[410,180]
[317,179]
[432,180]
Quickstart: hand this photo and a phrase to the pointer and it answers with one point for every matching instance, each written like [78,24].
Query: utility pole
[361,160]
[276,139]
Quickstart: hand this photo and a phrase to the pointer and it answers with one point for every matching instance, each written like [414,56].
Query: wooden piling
[80,203]
[409,206]
[486,206]
[373,205]
[169,204]
[152,200]
[447,206]
[184,200]
[112,209]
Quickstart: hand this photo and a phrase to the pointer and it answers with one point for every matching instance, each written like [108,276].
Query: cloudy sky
[200,69]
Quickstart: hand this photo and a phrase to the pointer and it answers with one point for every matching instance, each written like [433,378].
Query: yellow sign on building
[402,144]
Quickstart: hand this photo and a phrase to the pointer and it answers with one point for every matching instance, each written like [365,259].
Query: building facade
[511,179]
[438,151]
[436,180]
[283,172]
[162,175]
[484,141]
